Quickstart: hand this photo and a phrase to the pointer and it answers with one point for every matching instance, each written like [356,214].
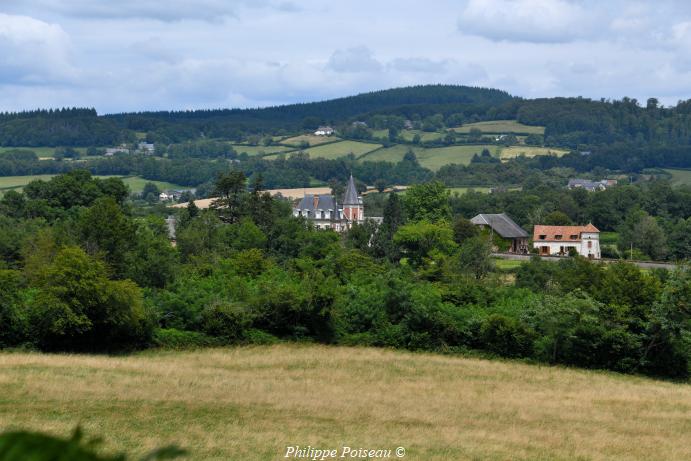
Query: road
[641,264]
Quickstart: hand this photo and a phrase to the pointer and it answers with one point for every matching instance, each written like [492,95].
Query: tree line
[81,271]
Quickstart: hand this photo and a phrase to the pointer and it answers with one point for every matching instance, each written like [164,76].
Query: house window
[590,244]
[573,237]
[542,237]
[557,237]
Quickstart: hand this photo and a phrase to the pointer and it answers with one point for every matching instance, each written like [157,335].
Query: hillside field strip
[530,151]
[135,183]
[341,149]
[501,127]
[251,403]
[41,152]
[432,158]
[680,177]
[310,138]
[259,150]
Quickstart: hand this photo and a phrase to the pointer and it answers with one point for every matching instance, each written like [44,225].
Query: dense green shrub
[506,337]
[228,321]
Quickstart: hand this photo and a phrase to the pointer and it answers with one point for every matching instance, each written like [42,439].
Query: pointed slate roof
[350,197]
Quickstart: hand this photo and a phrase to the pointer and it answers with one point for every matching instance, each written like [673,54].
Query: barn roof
[501,224]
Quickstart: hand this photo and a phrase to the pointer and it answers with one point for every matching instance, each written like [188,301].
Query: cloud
[419,65]
[167,11]
[536,21]
[33,51]
[357,59]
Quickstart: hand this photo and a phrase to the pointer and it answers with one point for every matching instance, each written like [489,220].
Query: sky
[133,55]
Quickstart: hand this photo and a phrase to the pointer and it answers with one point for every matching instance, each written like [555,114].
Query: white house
[324,131]
[559,240]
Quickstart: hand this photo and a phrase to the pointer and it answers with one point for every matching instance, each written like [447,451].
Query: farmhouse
[504,227]
[324,212]
[324,131]
[591,186]
[561,240]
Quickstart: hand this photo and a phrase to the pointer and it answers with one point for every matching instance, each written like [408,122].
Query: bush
[226,321]
[170,338]
[254,336]
[506,336]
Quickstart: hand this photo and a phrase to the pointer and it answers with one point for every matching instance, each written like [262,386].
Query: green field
[250,403]
[501,127]
[680,177]
[341,149]
[259,150]
[42,152]
[432,158]
[135,183]
[408,135]
[529,151]
[17,182]
[310,138]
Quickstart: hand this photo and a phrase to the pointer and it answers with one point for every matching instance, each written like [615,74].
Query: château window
[558,237]
[573,237]
[542,237]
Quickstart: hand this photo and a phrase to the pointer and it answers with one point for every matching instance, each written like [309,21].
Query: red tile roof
[566,232]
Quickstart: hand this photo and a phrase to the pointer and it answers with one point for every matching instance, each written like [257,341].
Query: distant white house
[146,147]
[164,196]
[560,240]
[324,131]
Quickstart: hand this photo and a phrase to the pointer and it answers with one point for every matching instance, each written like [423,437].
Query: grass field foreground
[251,403]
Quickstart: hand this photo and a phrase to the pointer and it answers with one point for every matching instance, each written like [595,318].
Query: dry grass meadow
[250,403]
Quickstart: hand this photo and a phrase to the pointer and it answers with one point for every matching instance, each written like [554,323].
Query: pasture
[341,149]
[432,158]
[530,151]
[41,152]
[680,177]
[135,183]
[259,150]
[250,403]
[501,127]
[310,138]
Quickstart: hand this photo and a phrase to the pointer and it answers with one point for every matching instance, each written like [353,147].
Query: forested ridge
[577,123]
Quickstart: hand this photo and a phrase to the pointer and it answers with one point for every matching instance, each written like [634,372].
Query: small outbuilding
[504,227]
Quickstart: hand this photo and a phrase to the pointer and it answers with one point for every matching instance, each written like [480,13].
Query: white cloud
[357,59]
[33,51]
[168,10]
[537,21]
[419,65]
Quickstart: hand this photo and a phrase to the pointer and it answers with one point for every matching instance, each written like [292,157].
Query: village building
[111,151]
[324,131]
[563,240]
[591,186]
[325,213]
[146,147]
[500,224]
